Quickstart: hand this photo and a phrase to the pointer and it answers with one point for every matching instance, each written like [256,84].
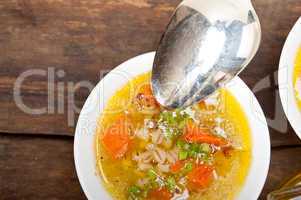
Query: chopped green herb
[134,189]
[169,133]
[186,146]
[171,183]
[134,192]
[205,148]
[188,167]
[183,155]
[152,174]
[182,124]
[207,158]
[192,154]
[180,144]
[195,148]
[174,122]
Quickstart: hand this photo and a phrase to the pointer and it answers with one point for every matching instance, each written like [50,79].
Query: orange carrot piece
[176,167]
[146,89]
[202,104]
[200,177]
[159,194]
[116,139]
[146,97]
[194,134]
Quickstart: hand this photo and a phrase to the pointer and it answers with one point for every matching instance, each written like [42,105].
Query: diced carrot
[227,150]
[200,177]
[146,89]
[146,98]
[202,104]
[194,134]
[176,167]
[159,194]
[116,139]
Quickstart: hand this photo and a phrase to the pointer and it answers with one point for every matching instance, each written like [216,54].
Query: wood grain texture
[285,163]
[86,37]
[277,18]
[43,168]
[37,168]
[83,38]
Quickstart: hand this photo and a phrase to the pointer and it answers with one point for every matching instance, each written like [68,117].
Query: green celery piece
[188,167]
[207,158]
[183,155]
[205,148]
[134,189]
[192,154]
[182,124]
[171,183]
[134,192]
[180,144]
[169,133]
[195,148]
[152,174]
[174,123]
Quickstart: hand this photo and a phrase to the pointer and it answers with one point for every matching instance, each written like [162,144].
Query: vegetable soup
[147,152]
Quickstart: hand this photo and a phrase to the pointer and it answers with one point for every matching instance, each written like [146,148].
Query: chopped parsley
[172,123]
[171,184]
[134,193]
[193,150]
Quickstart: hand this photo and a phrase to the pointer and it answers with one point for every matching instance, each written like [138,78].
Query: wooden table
[86,38]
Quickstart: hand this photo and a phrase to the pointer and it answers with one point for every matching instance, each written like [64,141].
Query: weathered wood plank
[37,168]
[43,168]
[277,18]
[85,37]
[285,163]
[82,38]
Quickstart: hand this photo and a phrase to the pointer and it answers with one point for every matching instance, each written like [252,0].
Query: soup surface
[147,152]
[297,78]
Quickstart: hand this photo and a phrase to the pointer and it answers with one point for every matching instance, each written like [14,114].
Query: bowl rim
[84,153]
[285,77]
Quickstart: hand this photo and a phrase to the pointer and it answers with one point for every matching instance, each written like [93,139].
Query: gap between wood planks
[38,135]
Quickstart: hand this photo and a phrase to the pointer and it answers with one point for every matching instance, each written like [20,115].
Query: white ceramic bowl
[84,152]
[285,77]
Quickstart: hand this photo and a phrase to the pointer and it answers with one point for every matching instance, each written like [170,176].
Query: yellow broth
[296,76]
[118,175]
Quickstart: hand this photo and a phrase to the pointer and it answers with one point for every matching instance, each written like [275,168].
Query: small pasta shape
[170,157]
[150,147]
[142,134]
[163,168]
[150,123]
[175,153]
[142,182]
[159,155]
[144,166]
[145,157]
[157,137]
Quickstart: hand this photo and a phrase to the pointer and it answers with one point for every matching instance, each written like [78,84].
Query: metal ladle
[206,44]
